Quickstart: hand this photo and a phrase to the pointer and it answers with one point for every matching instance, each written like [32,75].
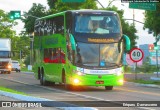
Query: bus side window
[53,56]
[62,57]
[46,56]
[59,21]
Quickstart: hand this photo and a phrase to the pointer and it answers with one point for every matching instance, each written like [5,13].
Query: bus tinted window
[54,55]
[97,24]
[103,55]
[49,26]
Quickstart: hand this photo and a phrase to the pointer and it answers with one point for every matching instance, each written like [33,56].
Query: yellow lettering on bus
[100,40]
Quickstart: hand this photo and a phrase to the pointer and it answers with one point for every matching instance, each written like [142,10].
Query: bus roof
[77,11]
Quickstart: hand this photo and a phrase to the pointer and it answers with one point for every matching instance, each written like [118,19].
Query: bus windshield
[98,55]
[100,24]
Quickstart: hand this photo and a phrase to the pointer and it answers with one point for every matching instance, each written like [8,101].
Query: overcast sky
[25,5]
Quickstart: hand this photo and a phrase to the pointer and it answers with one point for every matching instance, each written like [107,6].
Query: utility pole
[20,56]
[31,48]
[133,18]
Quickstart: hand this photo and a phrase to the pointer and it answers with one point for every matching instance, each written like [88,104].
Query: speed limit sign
[136,55]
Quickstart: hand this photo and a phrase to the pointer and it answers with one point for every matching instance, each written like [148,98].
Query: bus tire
[39,73]
[43,82]
[9,72]
[108,87]
[66,86]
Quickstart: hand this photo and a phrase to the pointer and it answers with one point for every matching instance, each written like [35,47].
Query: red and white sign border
[131,56]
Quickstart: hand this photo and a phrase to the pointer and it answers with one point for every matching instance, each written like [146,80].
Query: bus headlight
[121,81]
[118,71]
[76,81]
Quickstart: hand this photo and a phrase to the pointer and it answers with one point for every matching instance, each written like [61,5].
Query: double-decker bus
[80,48]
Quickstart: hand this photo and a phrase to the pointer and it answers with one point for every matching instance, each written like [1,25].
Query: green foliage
[146,67]
[11,90]
[6,25]
[127,69]
[58,5]
[37,10]
[27,60]
[20,43]
[152,20]
[52,3]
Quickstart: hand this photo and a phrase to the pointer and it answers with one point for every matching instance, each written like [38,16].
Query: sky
[25,5]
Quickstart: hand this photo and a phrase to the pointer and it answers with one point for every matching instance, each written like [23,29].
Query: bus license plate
[99,82]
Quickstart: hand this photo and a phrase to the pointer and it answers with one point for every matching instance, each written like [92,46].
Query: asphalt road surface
[129,92]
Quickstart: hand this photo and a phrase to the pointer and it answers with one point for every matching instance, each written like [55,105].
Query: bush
[127,69]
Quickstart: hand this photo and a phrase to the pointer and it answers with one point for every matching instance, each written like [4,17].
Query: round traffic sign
[136,55]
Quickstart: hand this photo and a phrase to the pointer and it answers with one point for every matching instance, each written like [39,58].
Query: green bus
[80,48]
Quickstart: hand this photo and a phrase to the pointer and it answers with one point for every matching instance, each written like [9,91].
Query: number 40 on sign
[136,54]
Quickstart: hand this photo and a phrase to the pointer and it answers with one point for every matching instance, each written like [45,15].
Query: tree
[58,5]
[35,12]
[152,20]
[6,25]
[20,43]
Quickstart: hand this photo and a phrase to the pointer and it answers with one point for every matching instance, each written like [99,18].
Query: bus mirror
[119,44]
[73,43]
[127,43]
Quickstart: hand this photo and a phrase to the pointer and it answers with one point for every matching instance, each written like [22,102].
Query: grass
[144,81]
[11,90]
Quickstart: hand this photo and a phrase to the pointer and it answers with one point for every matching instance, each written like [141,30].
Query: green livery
[80,48]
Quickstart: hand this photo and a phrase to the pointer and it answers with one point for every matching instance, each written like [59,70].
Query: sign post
[136,55]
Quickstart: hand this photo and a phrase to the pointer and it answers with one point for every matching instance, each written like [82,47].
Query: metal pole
[100,4]
[20,56]
[30,52]
[133,18]
[136,72]
[157,60]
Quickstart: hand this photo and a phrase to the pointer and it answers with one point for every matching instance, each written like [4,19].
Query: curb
[145,85]
[150,85]
[56,104]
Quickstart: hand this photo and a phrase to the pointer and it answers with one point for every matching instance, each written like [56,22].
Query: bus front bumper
[96,80]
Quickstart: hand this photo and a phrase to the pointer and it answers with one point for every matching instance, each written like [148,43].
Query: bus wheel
[67,86]
[108,87]
[42,79]
[9,72]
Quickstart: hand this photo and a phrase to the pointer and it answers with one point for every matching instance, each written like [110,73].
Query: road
[129,92]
